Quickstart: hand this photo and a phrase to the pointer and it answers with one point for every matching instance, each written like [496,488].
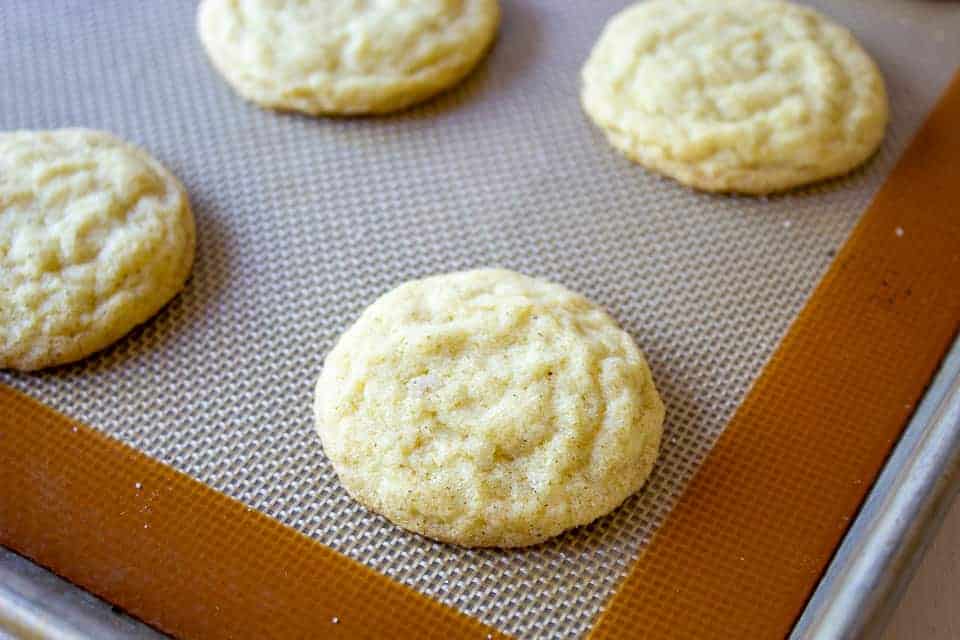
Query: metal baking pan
[903,511]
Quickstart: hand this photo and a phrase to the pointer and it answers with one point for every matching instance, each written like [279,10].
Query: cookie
[95,237]
[342,56]
[487,408]
[747,96]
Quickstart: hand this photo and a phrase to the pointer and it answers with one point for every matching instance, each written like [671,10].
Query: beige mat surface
[303,222]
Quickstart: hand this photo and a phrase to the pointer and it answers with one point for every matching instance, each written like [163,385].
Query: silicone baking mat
[303,222]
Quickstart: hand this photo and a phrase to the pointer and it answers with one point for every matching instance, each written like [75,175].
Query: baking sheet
[900,518]
[303,222]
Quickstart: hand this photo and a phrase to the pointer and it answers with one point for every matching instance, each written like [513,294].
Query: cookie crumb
[137,486]
[335,620]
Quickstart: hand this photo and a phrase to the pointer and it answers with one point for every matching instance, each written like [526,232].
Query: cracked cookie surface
[749,96]
[95,237]
[487,408]
[345,56]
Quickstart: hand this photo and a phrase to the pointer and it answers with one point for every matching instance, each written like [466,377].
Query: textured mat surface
[303,222]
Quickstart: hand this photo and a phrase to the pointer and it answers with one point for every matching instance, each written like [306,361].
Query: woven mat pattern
[303,222]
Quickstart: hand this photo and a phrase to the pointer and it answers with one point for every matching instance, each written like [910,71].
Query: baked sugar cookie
[487,408]
[749,96]
[345,56]
[95,237]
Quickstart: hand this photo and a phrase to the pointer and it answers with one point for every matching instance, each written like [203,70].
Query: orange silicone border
[179,555]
